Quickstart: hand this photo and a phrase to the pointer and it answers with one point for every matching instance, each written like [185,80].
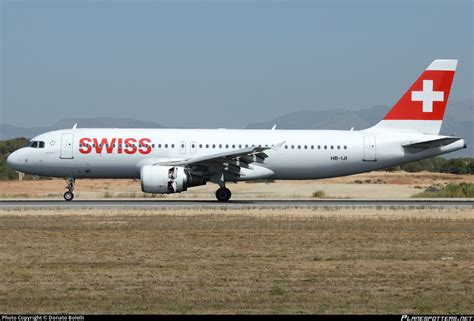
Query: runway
[234,204]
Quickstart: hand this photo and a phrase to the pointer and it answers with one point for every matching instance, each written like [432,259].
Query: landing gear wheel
[223,194]
[68,196]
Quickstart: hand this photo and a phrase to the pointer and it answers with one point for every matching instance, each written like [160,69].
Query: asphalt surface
[234,204]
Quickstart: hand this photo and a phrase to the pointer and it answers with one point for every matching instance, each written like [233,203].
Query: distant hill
[459,120]
[10,132]
[326,119]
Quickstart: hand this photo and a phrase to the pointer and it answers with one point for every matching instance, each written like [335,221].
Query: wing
[229,163]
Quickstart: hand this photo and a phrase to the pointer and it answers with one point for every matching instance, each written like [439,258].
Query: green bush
[439,165]
[319,194]
[6,148]
[450,191]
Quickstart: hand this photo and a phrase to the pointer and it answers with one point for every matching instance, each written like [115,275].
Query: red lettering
[99,146]
[120,145]
[85,147]
[130,147]
[127,145]
[146,147]
[110,147]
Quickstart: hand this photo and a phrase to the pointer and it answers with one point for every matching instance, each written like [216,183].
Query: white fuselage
[299,154]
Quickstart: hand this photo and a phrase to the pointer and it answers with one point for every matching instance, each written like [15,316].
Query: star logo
[52,143]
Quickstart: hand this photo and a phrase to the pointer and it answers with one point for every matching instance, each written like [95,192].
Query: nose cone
[13,160]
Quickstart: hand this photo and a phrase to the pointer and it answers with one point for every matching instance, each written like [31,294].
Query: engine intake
[166,179]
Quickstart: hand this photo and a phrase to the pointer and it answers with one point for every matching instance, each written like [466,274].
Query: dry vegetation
[232,261]
[380,185]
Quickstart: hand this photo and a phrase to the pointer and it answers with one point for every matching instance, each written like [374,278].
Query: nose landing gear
[69,195]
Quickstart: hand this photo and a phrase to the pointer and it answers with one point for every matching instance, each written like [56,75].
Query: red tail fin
[422,106]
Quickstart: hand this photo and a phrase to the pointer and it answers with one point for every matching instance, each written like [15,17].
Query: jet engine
[168,179]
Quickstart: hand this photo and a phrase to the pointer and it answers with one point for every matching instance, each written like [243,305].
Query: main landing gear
[223,194]
[69,195]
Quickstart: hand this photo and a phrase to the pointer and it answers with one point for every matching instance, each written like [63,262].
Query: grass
[213,261]
[452,190]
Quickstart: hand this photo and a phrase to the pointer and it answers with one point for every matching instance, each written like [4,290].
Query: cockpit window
[35,144]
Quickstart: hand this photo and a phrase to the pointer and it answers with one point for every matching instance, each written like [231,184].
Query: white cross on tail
[427,96]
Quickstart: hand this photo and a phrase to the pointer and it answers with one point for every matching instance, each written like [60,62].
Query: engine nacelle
[168,179]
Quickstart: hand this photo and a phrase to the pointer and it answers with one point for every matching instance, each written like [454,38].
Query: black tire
[223,194]
[68,196]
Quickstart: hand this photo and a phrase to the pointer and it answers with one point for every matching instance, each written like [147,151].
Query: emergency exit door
[370,149]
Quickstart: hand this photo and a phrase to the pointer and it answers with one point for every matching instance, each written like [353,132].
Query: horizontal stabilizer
[433,143]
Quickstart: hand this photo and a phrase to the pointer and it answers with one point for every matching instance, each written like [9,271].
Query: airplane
[173,160]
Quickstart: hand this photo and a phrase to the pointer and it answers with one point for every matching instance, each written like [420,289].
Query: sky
[220,63]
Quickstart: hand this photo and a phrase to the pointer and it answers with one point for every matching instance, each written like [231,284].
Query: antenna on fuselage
[75,126]
[274,127]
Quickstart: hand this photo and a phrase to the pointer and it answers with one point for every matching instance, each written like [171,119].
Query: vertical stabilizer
[422,107]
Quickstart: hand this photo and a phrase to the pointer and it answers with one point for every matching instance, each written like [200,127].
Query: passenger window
[292,146]
[172,145]
[338,147]
[286,146]
[312,146]
[325,146]
[213,145]
[305,146]
[332,147]
[299,146]
[200,145]
[220,145]
[345,147]
[166,145]
[319,146]
[226,146]
[159,145]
